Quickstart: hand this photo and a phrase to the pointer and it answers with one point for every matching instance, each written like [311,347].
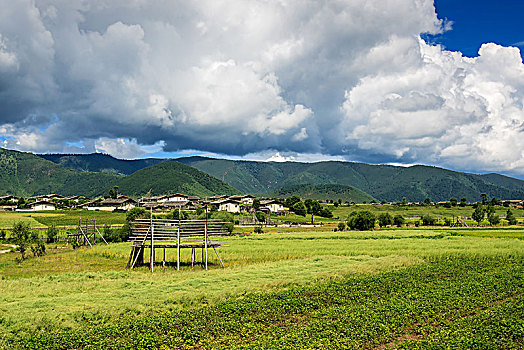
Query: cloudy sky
[379,81]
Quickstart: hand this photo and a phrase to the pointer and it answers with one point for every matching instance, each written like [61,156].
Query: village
[119,202]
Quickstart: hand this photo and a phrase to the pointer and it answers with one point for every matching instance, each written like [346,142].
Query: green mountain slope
[324,192]
[101,162]
[172,177]
[25,174]
[383,182]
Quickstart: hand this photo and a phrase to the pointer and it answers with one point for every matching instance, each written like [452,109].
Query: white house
[244,198]
[111,204]
[42,205]
[228,205]
[273,205]
[177,197]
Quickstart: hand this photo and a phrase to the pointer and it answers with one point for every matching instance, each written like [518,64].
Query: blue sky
[481,21]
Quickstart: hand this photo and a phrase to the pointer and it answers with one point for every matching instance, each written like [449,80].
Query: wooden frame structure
[83,232]
[176,234]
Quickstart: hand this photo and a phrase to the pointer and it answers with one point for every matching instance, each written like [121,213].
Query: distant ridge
[382,182]
[100,162]
[26,174]
[324,192]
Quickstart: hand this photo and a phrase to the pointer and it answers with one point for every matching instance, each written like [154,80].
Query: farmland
[386,288]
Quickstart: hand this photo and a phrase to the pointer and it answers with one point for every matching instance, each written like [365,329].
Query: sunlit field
[384,288]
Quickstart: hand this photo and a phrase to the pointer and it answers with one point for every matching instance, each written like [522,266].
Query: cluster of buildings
[232,204]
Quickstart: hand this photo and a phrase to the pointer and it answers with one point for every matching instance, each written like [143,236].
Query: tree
[398,220]
[25,239]
[256,204]
[512,220]
[309,203]
[484,198]
[384,219]
[427,201]
[325,212]
[478,213]
[21,236]
[113,192]
[291,201]
[493,219]
[495,201]
[403,200]
[361,220]
[52,233]
[428,220]
[453,201]
[463,201]
[300,209]
[261,216]
[490,210]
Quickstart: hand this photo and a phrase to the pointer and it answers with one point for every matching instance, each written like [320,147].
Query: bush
[398,220]
[385,219]
[493,219]
[137,213]
[447,222]
[25,239]
[417,223]
[258,229]
[261,216]
[325,212]
[52,234]
[299,208]
[428,220]
[512,220]
[341,226]
[362,220]
[229,226]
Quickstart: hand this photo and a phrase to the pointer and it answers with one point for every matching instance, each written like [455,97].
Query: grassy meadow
[390,288]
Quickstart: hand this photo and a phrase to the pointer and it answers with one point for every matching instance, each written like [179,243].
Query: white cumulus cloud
[339,79]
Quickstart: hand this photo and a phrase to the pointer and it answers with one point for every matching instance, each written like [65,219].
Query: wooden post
[152,261]
[205,239]
[164,259]
[178,240]
[192,257]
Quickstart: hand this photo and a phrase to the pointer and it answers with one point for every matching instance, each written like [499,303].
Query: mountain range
[381,182]
[26,174]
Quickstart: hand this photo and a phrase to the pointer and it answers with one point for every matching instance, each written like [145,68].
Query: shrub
[428,220]
[385,219]
[398,220]
[258,229]
[417,223]
[229,226]
[299,208]
[261,216]
[341,226]
[447,222]
[493,219]
[512,220]
[362,220]
[325,212]
[52,233]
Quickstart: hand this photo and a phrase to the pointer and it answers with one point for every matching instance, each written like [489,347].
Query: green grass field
[440,288]
[61,218]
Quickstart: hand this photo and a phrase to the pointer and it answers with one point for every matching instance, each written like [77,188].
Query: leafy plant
[361,220]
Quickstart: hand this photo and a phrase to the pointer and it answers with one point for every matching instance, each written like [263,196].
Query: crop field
[61,218]
[394,288]
[412,213]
